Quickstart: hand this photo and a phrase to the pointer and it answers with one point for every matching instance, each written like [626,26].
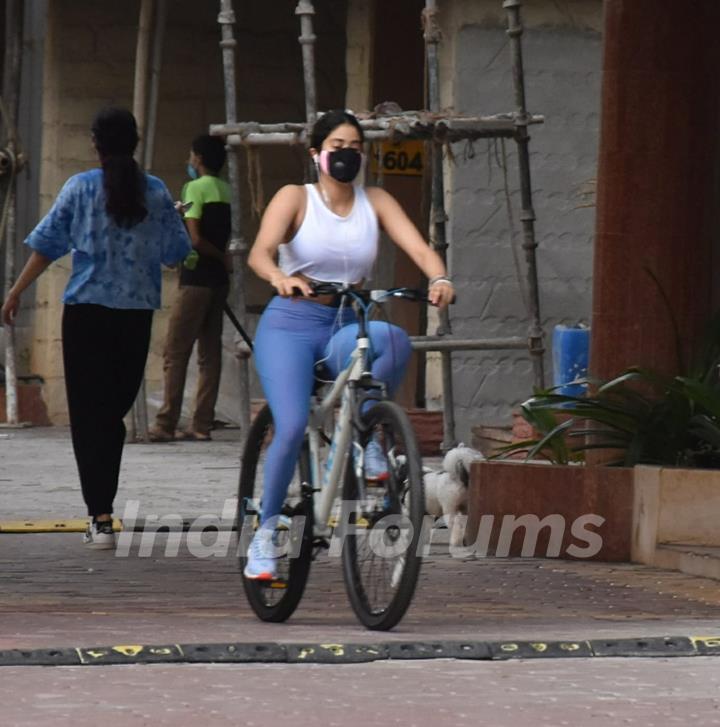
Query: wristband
[440,279]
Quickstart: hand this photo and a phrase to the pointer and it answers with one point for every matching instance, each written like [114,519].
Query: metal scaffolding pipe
[226,19]
[527,217]
[438,217]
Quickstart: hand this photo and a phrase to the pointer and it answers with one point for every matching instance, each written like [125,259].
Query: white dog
[446,491]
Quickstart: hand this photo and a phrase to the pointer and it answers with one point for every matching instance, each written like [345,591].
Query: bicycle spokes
[380,551]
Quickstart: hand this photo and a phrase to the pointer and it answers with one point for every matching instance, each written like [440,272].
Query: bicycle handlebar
[368,295]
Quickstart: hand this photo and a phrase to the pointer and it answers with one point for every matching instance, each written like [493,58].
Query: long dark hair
[116,137]
[328,122]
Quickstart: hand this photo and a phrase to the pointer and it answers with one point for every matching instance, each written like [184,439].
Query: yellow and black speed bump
[236,653]
[438,650]
[539,649]
[335,653]
[132,654]
[39,657]
[707,645]
[662,646]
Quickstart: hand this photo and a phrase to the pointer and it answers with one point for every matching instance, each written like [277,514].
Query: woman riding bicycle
[327,231]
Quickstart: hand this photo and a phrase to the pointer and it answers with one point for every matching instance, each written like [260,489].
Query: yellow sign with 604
[405,157]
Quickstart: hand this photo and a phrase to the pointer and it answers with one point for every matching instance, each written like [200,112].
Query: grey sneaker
[99,536]
[376,465]
[261,558]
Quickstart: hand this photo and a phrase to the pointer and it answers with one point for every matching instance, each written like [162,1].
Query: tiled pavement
[54,593]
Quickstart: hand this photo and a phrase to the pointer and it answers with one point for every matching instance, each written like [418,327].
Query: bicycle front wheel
[275,600]
[381,559]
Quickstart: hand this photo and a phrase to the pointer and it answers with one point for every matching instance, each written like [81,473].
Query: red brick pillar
[658,194]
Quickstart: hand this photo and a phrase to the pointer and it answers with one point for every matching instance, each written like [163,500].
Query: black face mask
[343,164]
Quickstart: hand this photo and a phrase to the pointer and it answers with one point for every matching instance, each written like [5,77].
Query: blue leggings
[293,335]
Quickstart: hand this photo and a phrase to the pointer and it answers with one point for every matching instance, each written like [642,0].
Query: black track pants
[104,352]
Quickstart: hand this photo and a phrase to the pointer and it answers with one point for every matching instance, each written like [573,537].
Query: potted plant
[639,417]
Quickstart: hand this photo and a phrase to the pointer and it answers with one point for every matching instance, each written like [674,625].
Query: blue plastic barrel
[570,348]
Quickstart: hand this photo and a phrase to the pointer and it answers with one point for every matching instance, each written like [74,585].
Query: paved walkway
[53,592]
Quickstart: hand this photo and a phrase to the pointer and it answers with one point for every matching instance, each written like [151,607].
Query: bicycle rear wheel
[275,600]
[380,555]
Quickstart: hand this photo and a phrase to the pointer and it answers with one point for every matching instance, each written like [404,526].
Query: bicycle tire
[404,489]
[274,601]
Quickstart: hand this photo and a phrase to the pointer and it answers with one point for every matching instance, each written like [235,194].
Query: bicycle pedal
[318,545]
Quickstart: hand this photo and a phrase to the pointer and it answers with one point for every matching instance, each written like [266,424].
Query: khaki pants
[197,315]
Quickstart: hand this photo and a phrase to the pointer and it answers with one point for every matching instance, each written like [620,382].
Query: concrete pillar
[658,201]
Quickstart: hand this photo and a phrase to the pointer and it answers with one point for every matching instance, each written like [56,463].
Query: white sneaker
[376,465]
[261,558]
[99,536]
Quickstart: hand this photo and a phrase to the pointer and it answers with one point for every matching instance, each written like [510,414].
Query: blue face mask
[192,172]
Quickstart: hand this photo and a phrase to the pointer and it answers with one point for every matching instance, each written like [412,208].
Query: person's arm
[405,235]
[279,217]
[35,265]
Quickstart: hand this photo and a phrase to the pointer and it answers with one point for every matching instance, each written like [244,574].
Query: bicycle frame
[326,479]
[321,412]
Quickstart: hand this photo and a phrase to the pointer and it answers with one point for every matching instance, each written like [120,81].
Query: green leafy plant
[638,417]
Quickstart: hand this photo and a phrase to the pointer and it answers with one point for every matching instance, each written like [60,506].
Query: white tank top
[331,248]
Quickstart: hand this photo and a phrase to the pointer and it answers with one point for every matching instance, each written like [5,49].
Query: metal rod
[307,40]
[443,343]
[226,19]
[438,217]
[11,94]
[527,217]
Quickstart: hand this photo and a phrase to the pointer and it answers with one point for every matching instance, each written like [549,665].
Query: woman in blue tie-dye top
[120,225]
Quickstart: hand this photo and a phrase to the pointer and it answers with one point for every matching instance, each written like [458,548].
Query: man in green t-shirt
[197,314]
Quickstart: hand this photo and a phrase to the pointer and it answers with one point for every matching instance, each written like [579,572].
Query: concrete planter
[676,514]
[537,510]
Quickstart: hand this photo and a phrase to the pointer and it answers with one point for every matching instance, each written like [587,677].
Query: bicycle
[380,522]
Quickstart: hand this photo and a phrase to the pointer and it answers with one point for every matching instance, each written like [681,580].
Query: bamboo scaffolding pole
[139,414]
[11,97]
[307,40]
[527,215]
[446,130]
[444,343]
[226,19]
[438,216]
[154,93]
